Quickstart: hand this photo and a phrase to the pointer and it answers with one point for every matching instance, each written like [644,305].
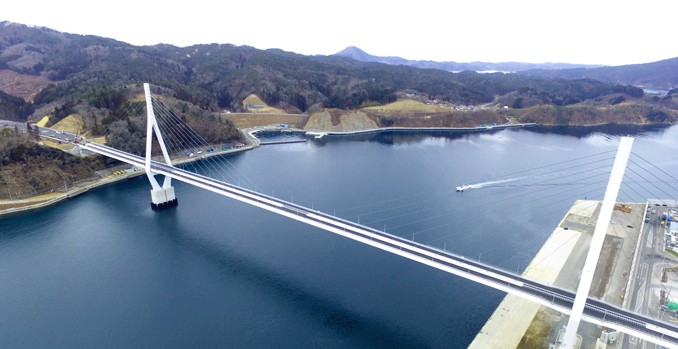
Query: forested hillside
[98,82]
[97,78]
[661,75]
[28,169]
[360,55]
[14,108]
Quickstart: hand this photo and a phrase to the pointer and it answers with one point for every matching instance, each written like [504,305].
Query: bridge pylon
[161,196]
[597,240]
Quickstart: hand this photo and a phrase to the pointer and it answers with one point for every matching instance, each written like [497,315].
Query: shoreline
[45,200]
[42,201]
[416,129]
[518,322]
[252,143]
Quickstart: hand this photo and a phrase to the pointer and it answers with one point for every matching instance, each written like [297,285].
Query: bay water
[104,270]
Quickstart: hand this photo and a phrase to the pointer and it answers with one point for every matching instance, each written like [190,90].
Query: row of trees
[125,129]
[14,108]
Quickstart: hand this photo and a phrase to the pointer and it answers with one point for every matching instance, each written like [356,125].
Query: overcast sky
[574,31]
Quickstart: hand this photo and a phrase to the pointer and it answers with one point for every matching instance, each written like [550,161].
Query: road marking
[642,275]
[640,291]
[641,298]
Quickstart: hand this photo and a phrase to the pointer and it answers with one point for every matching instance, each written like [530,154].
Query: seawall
[519,323]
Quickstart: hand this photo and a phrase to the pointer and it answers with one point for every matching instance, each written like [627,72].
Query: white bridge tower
[604,217]
[161,196]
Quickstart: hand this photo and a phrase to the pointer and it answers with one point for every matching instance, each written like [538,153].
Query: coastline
[44,200]
[417,129]
[513,316]
[41,201]
[517,322]
[252,142]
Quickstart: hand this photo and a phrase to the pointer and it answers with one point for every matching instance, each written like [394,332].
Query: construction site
[637,270]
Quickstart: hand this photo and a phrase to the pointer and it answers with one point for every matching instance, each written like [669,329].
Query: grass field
[4,206]
[32,201]
[100,140]
[255,100]
[42,121]
[247,120]
[408,106]
[70,124]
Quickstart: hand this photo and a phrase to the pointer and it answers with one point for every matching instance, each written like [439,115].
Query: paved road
[6,123]
[44,131]
[652,259]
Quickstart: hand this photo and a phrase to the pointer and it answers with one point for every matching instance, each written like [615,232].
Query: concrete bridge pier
[161,197]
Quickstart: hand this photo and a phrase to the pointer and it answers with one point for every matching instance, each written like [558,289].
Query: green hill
[14,108]
[661,75]
[95,77]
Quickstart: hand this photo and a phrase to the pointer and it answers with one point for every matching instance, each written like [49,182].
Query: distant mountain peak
[351,50]
[356,53]
[14,24]
[362,56]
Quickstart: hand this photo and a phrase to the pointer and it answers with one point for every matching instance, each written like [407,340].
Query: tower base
[164,205]
[163,198]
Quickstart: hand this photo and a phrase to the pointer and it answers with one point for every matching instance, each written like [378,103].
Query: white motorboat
[463,187]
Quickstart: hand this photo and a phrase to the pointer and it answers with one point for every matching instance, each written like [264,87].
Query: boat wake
[487,184]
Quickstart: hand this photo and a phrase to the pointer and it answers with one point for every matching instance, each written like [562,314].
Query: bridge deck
[595,311]
[559,263]
[514,315]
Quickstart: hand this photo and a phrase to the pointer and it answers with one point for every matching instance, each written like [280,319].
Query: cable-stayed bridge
[593,310]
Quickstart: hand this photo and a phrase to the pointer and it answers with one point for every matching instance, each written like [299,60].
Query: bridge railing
[560,299]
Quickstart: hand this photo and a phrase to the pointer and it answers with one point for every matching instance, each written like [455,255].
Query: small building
[255,106]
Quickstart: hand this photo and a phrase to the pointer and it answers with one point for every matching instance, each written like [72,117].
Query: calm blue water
[104,270]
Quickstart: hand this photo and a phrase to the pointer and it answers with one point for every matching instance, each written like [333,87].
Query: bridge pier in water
[161,197]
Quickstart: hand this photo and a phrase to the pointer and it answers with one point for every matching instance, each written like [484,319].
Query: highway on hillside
[43,131]
[595,311]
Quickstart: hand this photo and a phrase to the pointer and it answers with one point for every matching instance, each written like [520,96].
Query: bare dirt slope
[247,120]
[334,120]
[21,85]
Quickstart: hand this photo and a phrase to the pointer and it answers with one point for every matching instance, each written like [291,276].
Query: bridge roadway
[595,311]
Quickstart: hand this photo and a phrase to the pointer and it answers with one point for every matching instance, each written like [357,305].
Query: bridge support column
[604,217]
[161,197]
